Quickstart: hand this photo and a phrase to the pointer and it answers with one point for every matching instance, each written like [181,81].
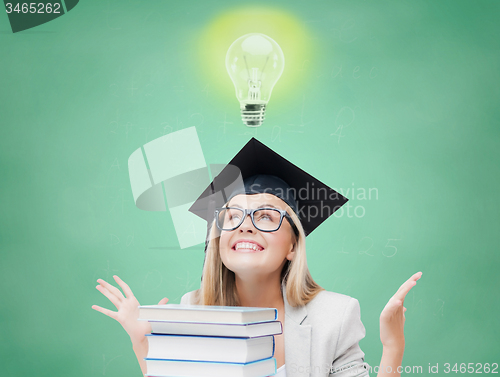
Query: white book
[209,348]
[161,368]
[246,330]
[207,313]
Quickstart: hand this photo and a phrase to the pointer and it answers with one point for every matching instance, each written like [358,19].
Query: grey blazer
[322,337]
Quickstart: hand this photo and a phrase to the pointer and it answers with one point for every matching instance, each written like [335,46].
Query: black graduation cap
[258,169]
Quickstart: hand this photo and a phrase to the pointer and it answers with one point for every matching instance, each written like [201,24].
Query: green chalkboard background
[400,97]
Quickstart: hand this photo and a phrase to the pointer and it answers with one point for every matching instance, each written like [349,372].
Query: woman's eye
[264,217]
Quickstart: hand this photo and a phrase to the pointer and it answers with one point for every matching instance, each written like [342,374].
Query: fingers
[109,313]
[414,278]
[163,301]
[125,287]
[116,302]
[406,286]
[111,289]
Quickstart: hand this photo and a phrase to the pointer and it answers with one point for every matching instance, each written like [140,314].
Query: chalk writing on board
[342,250]
[108,272]
[341,284]
[439,307]
[148,93]
[392,249]
[167,128]
[187,284]
[355,72]
[336,72]
[147,132]
[302,68]
[365,247]
[276,134]
[345,117]
[224,124]
[114,239]
[198,116]
[413,305]
[118,201]
[221,135]
[153,280]
[345,33]
[253,132]
[302,123]
[113,87]
[130,239]
[128,126]
[132,88]
[206,89]
[338,132]
[189,229]
[115,164]
[106,364]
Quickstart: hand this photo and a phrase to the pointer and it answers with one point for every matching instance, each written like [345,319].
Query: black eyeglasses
[263,219]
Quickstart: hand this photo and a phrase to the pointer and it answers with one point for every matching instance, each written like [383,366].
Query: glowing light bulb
[254,62]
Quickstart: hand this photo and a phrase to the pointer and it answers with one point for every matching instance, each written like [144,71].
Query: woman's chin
[245,266]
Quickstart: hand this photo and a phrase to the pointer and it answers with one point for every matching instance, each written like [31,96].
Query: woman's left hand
[392,319]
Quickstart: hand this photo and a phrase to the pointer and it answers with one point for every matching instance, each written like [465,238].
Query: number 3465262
[471,368]
[33,7]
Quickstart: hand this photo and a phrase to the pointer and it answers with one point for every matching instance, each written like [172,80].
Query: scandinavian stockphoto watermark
[321,196]
[354,369]
[358,369]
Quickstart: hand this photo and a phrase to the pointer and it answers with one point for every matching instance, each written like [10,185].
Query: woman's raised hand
[392,319]
[128,309]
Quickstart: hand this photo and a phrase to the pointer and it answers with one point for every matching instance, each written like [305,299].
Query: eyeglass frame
[251,212]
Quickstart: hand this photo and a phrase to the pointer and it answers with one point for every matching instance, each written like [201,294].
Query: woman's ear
[291,253]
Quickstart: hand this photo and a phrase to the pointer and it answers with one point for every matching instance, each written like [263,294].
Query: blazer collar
[297,340]
[297,313]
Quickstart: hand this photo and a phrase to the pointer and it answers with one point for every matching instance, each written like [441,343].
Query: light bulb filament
[254,62]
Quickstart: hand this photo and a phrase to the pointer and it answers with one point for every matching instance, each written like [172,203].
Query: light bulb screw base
[253,114]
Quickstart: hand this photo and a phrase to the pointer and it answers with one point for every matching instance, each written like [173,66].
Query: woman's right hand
[128,309]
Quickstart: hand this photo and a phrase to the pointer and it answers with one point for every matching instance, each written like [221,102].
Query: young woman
[256,257]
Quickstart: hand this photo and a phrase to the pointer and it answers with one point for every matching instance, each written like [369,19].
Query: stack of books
[211,341]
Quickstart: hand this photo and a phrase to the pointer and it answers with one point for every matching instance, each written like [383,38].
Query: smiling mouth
[247,247]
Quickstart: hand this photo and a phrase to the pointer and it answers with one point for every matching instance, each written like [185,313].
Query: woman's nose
[247,225]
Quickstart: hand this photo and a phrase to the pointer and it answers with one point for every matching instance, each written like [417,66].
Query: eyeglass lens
[264,219]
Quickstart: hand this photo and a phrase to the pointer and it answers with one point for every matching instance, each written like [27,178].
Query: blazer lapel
[297,340]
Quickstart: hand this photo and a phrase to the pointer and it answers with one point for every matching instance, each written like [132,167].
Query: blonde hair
[218,282]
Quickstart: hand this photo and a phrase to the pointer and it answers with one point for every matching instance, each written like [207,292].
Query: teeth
[247,245]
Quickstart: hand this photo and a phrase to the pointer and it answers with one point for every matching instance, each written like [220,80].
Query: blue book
[243,330]
[161,368]
[210,348]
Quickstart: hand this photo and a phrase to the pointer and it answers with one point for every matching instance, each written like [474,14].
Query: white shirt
[281,372]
